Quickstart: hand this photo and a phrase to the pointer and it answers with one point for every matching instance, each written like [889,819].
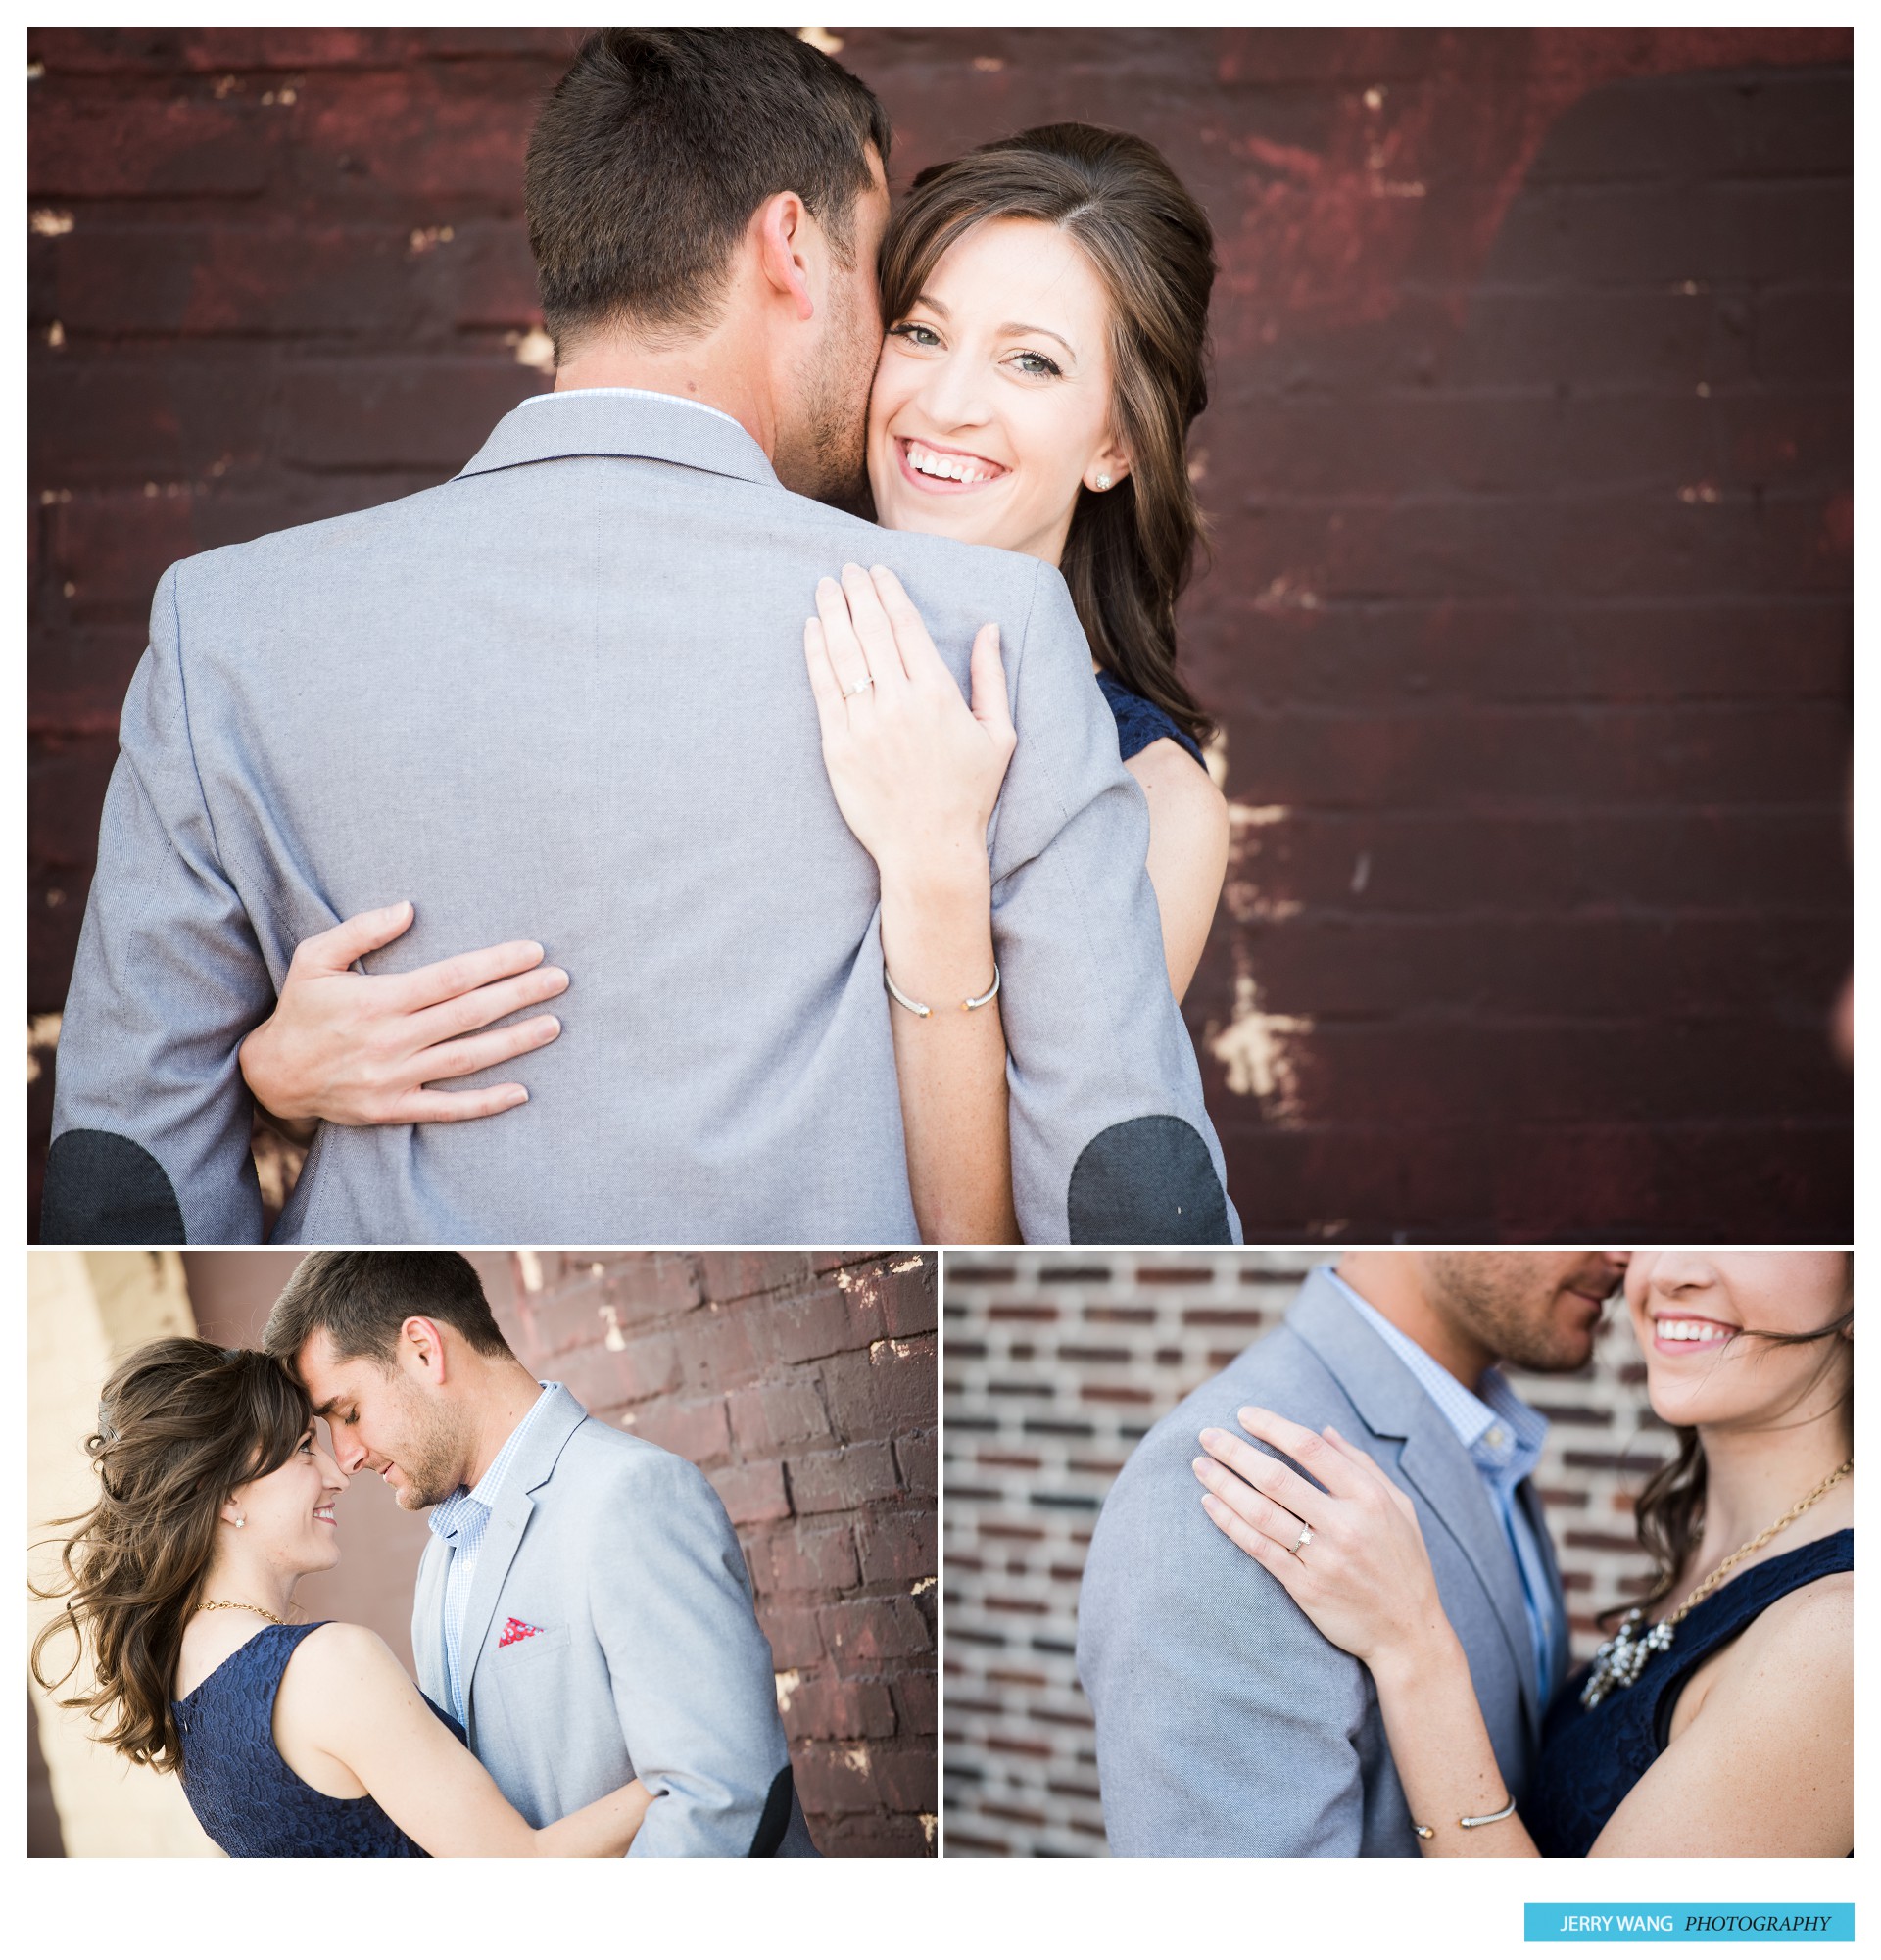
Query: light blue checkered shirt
[1504,1437]
[461,1520]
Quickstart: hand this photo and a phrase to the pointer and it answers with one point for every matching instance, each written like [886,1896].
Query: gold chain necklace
[1618,1663]
[241,1606]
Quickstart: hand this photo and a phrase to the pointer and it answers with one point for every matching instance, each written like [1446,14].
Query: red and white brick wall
[803,1385]
[1055,1365]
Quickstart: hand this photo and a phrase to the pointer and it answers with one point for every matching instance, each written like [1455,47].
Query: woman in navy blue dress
[1718,1720]
[302,1740]
[1046,301]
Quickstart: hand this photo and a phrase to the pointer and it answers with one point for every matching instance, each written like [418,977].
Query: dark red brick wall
[1529,472]
[803,1384]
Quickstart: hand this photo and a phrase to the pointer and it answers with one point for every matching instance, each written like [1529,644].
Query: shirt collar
[631,395]
[449,1515]
[1498,1429]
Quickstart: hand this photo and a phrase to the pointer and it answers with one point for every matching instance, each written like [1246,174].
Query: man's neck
[1391,1284]
[502,1399]
[712,370]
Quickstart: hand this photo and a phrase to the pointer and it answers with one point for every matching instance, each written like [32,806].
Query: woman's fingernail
[549,1022]
[555,979]
[1210,1437]
[516,1096]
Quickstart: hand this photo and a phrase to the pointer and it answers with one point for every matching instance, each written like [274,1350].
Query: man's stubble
[1507,1301]
[432,1453]
[821,453]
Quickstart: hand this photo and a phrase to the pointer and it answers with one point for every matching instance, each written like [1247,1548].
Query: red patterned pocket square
[515,1630]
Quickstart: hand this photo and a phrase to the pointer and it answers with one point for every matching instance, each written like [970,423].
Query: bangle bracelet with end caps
[1470,1823]
[920,1008]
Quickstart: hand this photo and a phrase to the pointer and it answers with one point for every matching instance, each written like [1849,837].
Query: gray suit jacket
[648,1660]
[1228,1726]
[562,696]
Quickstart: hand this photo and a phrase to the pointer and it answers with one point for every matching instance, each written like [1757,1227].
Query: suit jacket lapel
[549,1430]
[1536,1513]
[1432,1461]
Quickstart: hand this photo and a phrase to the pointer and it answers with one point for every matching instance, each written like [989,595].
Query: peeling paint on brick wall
[803,1385]
[1529,471]
[1056,1364]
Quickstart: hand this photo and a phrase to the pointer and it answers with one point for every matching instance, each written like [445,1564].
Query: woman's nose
[1683,1270]
[953,395]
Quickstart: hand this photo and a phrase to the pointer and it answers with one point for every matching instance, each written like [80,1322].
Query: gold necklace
[1619,1661]
[241,1606]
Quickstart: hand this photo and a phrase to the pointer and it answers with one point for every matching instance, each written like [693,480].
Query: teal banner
[1688,1922]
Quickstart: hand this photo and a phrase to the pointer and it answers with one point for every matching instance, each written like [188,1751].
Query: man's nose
[349,1452]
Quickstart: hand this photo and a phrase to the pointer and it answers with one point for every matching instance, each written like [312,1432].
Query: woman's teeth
[956,470]
[325,1513]
[1689,1330]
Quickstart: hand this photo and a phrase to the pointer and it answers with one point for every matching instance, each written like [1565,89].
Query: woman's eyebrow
[1013,327]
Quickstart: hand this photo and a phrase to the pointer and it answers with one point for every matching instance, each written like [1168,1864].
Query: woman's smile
[1686,1334]
[941,471]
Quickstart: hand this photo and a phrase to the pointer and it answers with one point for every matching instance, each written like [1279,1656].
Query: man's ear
[421,1350]
[784,228]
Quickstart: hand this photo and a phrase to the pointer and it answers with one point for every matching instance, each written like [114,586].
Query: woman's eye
[1035,363]
[915,334]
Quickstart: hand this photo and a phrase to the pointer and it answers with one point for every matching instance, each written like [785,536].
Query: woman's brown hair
[1670,1509]
[181,1423]
[1130,549]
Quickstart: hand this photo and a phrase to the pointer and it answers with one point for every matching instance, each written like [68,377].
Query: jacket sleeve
[1110,1141]
[693,1683]
[151,1118]
[1228,1726]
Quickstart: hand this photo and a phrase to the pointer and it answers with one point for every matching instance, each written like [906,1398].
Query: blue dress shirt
[461,1520]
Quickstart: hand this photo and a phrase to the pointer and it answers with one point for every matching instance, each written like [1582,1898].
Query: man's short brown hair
[656,148]
[360,1300]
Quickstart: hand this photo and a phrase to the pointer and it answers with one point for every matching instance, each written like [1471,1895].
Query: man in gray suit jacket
[583,1607]
[1228,1726]
[562,698]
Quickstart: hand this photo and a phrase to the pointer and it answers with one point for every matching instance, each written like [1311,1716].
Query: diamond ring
[1304,1539]
[866,682]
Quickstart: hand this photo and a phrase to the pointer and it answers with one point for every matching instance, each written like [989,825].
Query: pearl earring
[239,1522]
[1103,483]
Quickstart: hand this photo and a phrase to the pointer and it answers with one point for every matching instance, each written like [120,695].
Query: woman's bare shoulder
[1177,786]
[1806,1637]
[340,1649]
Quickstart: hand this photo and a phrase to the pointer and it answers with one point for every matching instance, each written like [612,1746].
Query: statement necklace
[1618,1663]
[241,1606]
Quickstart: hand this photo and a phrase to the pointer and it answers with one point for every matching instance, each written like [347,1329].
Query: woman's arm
[1188,851]
[1764,1768]
[916,773]
[346,1705]
[358,1048]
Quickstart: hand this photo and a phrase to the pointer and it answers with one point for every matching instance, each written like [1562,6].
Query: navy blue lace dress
[1141,722]
[1590,1758]
[243,1794]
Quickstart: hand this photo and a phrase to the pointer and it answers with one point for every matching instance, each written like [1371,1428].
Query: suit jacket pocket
[516,1657]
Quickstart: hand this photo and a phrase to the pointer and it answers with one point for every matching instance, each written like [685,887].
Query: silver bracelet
[1470,1823]
[917,1007]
